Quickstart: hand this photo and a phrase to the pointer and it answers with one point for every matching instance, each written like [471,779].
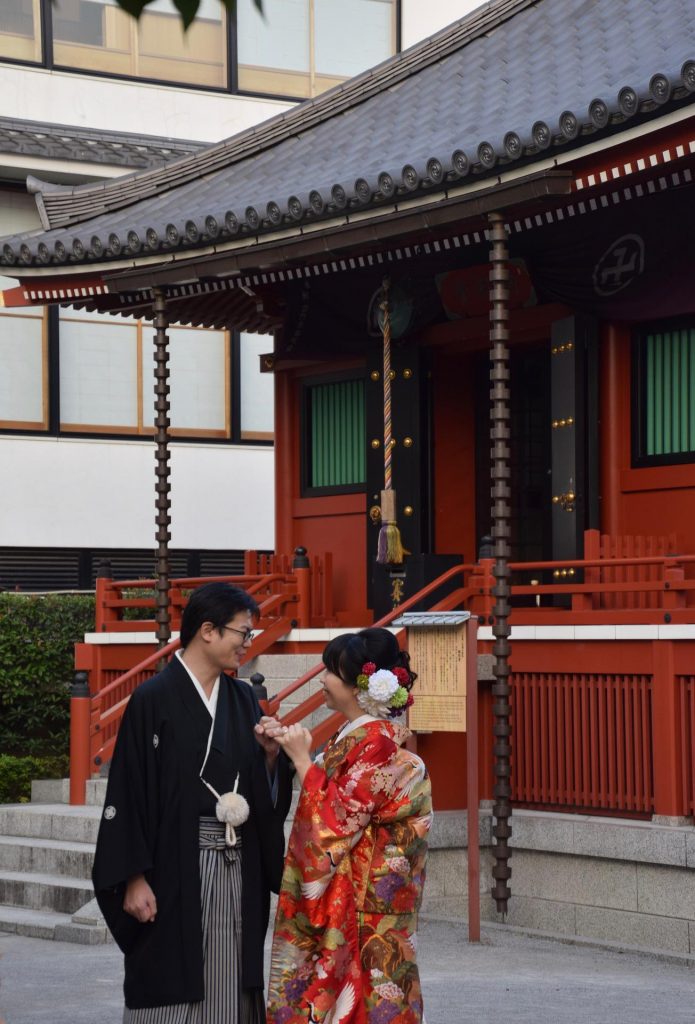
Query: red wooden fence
[582,741]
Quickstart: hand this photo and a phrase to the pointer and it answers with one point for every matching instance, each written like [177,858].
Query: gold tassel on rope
[390,550]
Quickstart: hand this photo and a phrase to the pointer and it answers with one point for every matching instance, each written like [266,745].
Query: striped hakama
[220,897]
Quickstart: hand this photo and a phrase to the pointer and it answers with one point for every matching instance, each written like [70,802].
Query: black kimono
[149,826]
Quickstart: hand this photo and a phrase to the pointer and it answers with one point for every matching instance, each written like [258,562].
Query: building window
[20,30]
[303,47]
[199,367]
[24,362]
[256,391]
[664,395]
[99,368]
[107,377]
[96,35]
[334,435]
[295,49]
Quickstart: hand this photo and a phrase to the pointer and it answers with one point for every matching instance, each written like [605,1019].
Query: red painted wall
[657,500]
[454,454]
[335,524]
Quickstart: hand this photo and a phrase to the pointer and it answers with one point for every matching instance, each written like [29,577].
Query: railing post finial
[487,547]
[257,681]
[301,559]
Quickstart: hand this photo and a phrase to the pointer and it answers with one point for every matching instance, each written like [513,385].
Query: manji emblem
[620,264]
[109,812]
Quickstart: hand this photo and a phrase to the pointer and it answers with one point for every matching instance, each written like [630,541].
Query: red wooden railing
[321,732]
[283,592]
[604,728]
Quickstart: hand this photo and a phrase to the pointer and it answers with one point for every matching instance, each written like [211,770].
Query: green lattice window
[335,438]
[665,392]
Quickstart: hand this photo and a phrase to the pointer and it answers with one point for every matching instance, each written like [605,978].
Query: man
[172,883]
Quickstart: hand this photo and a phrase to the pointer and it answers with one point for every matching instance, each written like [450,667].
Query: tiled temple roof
[510,85]
[89,145]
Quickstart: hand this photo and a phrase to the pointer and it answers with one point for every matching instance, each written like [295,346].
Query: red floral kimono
[344,948]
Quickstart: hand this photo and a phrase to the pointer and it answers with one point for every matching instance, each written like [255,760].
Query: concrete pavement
[508,977]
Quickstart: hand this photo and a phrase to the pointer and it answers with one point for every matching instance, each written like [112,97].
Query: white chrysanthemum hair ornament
[383,692]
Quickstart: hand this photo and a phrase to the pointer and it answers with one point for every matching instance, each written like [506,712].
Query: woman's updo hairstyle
[345,655]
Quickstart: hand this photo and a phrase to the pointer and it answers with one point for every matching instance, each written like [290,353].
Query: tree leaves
[188,9]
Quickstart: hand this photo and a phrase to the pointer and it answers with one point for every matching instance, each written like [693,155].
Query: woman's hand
[139,901]
[296,741]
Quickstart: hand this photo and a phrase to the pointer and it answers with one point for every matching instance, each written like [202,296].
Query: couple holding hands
[191,841]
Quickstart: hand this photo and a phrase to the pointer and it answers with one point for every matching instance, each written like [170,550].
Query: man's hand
[267,731]
[139,900]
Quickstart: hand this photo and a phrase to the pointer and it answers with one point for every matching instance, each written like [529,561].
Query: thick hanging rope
[390,550]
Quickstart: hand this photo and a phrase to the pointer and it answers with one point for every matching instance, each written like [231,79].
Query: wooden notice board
[438,655]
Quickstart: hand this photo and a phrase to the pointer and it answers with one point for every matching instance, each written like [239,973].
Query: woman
[345,933]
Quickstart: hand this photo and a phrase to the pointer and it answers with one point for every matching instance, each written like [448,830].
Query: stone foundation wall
[611,880]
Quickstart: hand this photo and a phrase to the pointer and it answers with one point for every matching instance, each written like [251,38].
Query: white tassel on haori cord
[233,809]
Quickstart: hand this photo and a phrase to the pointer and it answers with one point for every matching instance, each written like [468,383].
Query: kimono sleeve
[334,812]
[271,808]
[126,838]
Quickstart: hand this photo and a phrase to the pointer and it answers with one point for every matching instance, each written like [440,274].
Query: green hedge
[16,774]
[37,638]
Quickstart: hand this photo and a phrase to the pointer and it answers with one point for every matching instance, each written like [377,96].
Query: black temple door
[574,436]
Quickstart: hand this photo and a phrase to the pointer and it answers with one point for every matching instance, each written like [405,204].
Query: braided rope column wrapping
[162,471]
[499,435]
[386,330]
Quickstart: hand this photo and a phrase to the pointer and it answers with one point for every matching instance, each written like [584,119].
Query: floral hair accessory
[381,691]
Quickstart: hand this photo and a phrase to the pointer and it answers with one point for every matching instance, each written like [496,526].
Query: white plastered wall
[86,101]
[67,492]
[422,18]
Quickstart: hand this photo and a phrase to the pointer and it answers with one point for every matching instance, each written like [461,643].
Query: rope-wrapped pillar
[499,435]
[162,471]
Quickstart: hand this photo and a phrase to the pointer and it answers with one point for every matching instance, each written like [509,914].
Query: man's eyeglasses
[246,633]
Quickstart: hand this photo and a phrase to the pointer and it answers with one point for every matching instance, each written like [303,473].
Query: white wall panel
[35,94]
[21,363]
[87,493]
[420,20]
[257,389]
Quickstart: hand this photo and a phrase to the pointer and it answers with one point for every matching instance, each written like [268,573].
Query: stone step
[51,821]
[50,791]
[57,791]
[38,891]
[46,856]
[95,792]
[34,923]
[38,924]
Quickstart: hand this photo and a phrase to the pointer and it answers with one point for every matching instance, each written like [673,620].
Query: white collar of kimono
[231,808]
[357,723]
[349,727]
[209,702]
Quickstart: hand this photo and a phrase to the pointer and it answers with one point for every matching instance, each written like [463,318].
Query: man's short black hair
[216,603]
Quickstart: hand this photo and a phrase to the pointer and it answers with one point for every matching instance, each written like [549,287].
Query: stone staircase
[46,851]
